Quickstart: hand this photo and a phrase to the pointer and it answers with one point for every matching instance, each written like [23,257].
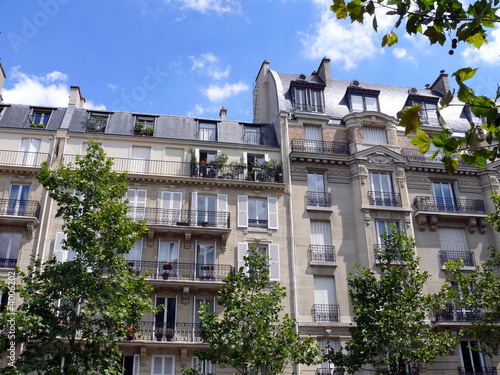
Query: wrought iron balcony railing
[8,263]
[321,253]
[482,371]
[23,158]
[413,155]
[380,198]
[319,147]
[188,169]
[318,199]
[173,217]
[165,331]
[325,313]
[472,206]
[96,124]
[454,313]
[467,257]
[16,207]
[308,107]
[177,271]
[328,371]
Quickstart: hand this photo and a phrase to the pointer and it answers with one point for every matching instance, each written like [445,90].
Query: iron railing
[482,371]
[96,124]
[467,257]
[308,107]
[318,199]
[319,147]
[180,271]
[23,158]
[413,155]
[321,253]
[328,371]
[325,313]
[188,169]
[174,217]
[165,331]
[380,198]
[16,207]
[7,263]
[473,206]
[454,313]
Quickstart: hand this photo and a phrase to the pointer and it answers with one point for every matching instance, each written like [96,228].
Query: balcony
[454,313]
[8,263]
[206,273]
[305,107]
[188,169]
[413,155]
[96,124]
[164,332]
[325,313]
[318,199]
[321,254]
[483,371]
[454,205]
[319,147]
[20,213]
[180,218]
[467,257]
[328,371]
[23,158]
[380,198]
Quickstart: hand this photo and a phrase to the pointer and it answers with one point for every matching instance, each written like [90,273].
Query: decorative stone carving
[472,225]
[151,237]
[363,173]
[433,221]
[483,224]
[401,177]
[380,158]
[422,222]
[31,231]
[187,240]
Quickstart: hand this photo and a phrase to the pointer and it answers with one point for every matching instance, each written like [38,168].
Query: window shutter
[266,157]
[274,262]
[272,213]
[137,361]
[242,211]
[59,253]
[242,251]
[377,135]
[194,209]
[245,161]
[222,202]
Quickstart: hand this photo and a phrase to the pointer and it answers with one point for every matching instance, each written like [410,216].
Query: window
[61,253]
[29,152]
[18,204]
[163,365]
[208,131]
[209,210]
[375,134]
[316,191]
[10,245]
[361,102]
[203,367]
[383,226]
[382,193]
[271,250]
[327,367]
[137,203]
[97,122]
[253,135]
[197,306]
[257,212]
[165,318]
[325,309]
[131,364]
[171,204]
[140,159]
[4,301]
[444,196]
[472,360]
[321,248]
[145,121]
[428,110]
[307,99]
[135,252]
[40,116]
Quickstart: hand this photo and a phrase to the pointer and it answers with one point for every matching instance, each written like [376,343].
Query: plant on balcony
[389,313]
[206,267]
[253,334]
[159,335]
[194,162]
[167,266]
[169,334]
[140,129]
[40,125]
[165,275]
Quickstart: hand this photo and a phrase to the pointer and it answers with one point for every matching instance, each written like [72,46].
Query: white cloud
[216,93]
[402,54]
[91,105]
[488,54]
[206,6]
[112,86]
[209,64]
[342,41]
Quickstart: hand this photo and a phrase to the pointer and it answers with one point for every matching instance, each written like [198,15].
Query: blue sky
[191,57]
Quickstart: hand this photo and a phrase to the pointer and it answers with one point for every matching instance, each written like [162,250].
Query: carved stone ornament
[422,222]
[433,221]
[483,224]
[472,225]
[380,158]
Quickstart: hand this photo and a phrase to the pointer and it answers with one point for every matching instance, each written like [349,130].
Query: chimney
[324,70]
[2,80]
[223,113]
[75,97]
[442,84]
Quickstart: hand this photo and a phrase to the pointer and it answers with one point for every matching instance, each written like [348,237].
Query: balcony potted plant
[169,334]
[165,275]
[159,335]
[138,129]
[194,163]
[167,266]
[205,267]
[40,125]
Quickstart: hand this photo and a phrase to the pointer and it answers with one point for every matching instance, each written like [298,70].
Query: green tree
[440,21]
[74,313]
[389,311]
[251,336]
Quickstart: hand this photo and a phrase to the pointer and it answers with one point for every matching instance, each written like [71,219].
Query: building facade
[314,180]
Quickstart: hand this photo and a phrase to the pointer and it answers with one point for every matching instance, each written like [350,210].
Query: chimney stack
[223,113]
[75,97]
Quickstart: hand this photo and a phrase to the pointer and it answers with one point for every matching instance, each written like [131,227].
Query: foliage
[74,313]
[390,309]
[477,292]
[220,160]
[251,336]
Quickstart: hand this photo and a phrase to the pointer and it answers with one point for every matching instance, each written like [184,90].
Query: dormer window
[144,125]
[40,117]
[362,100]
[253,135]
[307,96]
[208,131]
[428,110]
[97,122]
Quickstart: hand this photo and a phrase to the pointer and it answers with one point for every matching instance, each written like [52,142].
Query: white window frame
[59,252]
[30,147]
[11,238]
[272,251]
[140,159]
[484,360]
[208,131]
[135,363]
[204,367]
[243,212]
[163,371]
[137,201]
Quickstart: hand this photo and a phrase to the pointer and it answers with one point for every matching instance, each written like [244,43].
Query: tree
[389,312]
[250,336]
[74,313]
[440,21]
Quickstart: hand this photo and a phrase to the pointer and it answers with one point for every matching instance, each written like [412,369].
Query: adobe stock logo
[31,25]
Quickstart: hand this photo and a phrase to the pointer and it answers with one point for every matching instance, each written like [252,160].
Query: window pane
[372,134]
[208,131]
[371,103]
[357,103]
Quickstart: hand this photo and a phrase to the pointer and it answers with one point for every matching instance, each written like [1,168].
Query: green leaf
[464,74]
[477,40]
[450,164]
[410,118]
[422,141]
[339,8]
[389,39]
[356,11]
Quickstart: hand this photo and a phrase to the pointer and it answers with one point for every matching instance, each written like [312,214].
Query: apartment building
[208,188]
[351,173]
